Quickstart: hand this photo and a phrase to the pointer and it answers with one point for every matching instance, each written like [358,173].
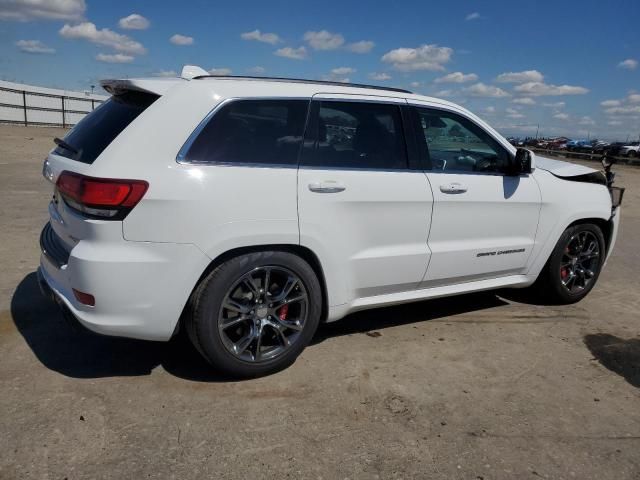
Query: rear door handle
[328,186]
[453,187]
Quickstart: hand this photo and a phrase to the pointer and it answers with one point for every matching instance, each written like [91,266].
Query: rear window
[98,129]
[267,132]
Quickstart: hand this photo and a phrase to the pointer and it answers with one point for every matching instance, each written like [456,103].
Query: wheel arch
[606,226]
[303,252]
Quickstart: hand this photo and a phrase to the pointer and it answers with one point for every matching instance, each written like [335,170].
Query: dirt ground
[473,387]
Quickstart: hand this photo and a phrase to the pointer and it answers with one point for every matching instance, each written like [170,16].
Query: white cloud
[181,40]
[324,40]
[27,10]
[134,22]
[257,70]
[537,89]
[561,116]
[524,101]
[220,71]
[114,58]
[444,93]
[343,71]
[292,53]
[105,37]
[628,64]
[554,105]
[513,113]
[482,90]
[457,77]
[472,16]
[165,73]
[586,120]
[614,123]
[425,57]
[258,36]
[625,110]
[520,77]
[33,46]
[363,46]
[625,106]
[490,110]
[380,77]
[415,84]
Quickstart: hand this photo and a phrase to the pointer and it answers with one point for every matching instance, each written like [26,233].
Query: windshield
[86,141]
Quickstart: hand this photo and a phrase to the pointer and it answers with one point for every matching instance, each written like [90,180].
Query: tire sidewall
[213,293]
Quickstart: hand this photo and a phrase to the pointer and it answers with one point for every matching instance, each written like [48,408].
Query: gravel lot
[473,387]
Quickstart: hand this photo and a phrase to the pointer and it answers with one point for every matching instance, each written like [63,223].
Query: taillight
[100,197]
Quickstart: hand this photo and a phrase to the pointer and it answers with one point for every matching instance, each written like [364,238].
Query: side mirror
[524,162]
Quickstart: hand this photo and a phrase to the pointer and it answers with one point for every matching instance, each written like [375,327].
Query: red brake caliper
[284,311]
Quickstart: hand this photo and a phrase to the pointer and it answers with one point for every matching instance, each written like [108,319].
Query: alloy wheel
[580,261]
[263,314]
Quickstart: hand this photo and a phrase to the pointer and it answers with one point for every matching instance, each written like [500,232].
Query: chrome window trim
[182,153]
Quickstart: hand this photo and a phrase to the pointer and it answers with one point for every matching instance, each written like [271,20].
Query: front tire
[255,313]
[574,266]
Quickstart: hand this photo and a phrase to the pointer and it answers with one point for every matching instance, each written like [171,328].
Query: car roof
[263,86]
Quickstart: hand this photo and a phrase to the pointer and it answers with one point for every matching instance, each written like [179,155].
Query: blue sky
[570,66]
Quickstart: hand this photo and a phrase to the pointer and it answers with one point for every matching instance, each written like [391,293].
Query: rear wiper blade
[65,145]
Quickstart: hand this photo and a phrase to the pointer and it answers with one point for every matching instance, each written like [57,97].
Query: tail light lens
[105,198]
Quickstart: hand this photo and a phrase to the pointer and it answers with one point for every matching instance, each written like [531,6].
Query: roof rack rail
[302,80]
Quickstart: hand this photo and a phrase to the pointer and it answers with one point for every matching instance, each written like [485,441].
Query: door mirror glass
[523,163]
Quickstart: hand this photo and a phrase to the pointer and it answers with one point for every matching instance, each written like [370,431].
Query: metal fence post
[93,105]
[64,122]
[24,106]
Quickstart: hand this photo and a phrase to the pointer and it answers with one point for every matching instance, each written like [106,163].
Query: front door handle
[328,186]
[453,187]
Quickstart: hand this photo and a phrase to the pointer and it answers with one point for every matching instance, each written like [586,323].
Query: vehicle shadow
[76,352]
[617,354]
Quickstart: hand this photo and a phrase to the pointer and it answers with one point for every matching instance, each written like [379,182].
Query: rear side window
[356,135]
[252,132]
[87,140]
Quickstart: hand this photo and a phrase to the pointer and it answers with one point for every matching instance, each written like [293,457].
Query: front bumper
[140,288]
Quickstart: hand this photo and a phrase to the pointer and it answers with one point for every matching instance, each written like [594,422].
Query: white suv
[249,210]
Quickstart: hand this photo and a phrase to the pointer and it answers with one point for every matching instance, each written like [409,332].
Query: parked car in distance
[249,210]
[613,149]
[631,150]
[578,145]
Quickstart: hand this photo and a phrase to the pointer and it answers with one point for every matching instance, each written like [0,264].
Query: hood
[562,169]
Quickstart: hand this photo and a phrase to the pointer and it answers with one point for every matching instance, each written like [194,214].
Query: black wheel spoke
[263,314]
[580,261]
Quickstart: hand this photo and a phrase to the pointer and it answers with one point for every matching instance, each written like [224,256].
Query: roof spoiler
[156,86]
[192,71]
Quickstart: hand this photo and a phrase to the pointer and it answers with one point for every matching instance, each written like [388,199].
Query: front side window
[356,135]
[453,143]
[252,132]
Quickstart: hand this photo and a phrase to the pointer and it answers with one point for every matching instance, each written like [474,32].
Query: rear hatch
[83,206]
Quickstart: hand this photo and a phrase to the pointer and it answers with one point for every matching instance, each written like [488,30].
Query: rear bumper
[140,288]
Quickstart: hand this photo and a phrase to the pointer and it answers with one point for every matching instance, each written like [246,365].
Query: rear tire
[574,266]
[239,323]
